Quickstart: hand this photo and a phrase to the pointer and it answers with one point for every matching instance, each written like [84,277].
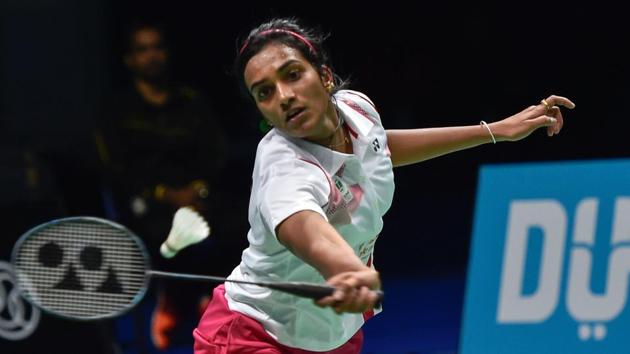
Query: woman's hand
[354,291]
[546,114]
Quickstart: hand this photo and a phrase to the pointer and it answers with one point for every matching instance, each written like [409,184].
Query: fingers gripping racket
[89,268]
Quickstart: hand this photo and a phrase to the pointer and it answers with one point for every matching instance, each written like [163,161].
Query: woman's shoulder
[275,148]
[279,156]
[276,143]
[355,96]
[355,102]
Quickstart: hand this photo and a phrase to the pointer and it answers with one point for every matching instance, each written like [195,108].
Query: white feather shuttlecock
[188,228]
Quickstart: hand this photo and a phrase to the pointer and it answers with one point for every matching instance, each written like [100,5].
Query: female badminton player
[323,178]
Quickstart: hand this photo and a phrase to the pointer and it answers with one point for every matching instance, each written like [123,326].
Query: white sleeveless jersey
[352,191]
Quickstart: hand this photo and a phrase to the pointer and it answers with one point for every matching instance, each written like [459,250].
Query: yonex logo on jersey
[376,145]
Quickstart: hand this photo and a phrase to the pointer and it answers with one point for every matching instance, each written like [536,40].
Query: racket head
[81,268]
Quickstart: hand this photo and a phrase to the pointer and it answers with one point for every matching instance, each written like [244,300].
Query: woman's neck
[338,139]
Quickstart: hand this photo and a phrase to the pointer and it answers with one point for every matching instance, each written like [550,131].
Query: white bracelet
[494,141]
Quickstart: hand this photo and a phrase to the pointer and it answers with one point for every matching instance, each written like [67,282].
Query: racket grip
[314,291]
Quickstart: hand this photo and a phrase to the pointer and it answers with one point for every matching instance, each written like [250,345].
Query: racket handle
[314,291]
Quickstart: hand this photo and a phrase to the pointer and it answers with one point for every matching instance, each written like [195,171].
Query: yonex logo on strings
[376,145]
[592,310]
[51,255]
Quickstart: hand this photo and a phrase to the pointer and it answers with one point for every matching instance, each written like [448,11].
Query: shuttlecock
[188,228]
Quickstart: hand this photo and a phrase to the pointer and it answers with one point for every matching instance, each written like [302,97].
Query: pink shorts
[222,331]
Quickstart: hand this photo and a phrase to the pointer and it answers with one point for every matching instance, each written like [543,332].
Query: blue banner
[550,260]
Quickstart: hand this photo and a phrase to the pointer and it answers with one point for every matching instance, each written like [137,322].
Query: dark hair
[289,32]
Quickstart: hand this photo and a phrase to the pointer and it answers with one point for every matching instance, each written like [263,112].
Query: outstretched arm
[310,237]
[416,145]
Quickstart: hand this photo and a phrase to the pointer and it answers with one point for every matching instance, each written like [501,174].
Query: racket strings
[81,268]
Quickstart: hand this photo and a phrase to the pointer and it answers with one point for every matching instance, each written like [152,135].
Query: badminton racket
[88,268]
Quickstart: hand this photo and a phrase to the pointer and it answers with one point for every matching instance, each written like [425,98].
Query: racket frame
[297,288]
[133,303]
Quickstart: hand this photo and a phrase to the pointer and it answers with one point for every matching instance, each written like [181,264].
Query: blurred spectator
[30,197]
[162,148]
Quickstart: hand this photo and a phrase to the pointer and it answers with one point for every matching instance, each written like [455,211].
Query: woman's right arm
[310,237]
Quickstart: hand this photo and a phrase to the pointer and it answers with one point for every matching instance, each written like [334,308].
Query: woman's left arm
[415,145]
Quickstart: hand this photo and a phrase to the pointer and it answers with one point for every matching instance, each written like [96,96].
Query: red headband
[280,30]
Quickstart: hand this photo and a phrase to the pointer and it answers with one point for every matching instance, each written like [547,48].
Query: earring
[329,86]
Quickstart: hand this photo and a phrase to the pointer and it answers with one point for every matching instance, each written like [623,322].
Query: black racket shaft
[310,290]
[88,268]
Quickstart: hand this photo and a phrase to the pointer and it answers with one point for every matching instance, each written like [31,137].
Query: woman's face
[290,93]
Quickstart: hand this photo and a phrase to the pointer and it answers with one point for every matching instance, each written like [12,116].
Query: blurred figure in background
[162,148]
[30,196]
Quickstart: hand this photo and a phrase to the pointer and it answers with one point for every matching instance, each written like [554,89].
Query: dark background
[423,64]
